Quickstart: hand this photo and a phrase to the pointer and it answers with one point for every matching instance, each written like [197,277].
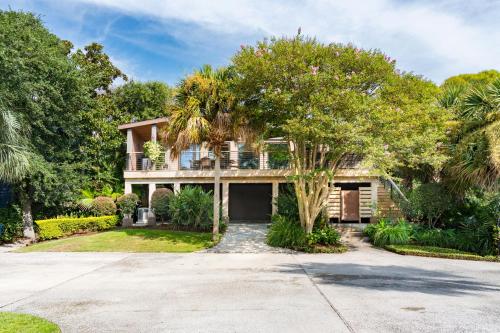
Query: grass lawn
[23,323]
[437,252]
[127,240]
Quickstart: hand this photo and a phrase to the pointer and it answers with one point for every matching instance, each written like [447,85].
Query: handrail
[393,186]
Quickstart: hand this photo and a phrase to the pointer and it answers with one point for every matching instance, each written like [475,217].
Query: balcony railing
[139,162]
[205,160]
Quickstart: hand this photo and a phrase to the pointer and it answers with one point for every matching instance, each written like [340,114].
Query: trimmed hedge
[60,227]
[437,252]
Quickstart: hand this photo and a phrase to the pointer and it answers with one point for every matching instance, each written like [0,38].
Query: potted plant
[152,151]
[127,204]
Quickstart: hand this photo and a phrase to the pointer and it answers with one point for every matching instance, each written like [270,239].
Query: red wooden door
[350,205]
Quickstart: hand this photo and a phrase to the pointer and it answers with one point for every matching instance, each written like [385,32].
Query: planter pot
[127,221]
[146,163]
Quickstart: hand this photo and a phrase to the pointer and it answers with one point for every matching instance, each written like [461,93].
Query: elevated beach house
[250,181]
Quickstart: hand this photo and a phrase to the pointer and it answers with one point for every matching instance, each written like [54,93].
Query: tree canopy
[332,100]
[474,79]
[68,108]
[103,150]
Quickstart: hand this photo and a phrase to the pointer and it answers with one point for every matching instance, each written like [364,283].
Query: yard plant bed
[128,240]
[437,252]
[11,322]
[326,249]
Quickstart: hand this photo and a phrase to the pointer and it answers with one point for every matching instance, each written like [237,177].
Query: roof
[143,123]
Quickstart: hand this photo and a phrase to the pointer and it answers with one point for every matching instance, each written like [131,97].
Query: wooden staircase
[386,205]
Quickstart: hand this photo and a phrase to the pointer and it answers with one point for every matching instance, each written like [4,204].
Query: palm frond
[14,152]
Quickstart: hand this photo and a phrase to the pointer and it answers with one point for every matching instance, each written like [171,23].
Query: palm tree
[204,113]
[475,144]
[14,155]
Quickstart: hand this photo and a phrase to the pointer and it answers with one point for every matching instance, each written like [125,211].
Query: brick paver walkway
[246,238]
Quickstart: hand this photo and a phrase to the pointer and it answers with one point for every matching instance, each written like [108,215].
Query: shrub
[103,206]
[437,252]
[127,203]
[160,201]
[60,227]
[12,224]
[192,208]
[477,227]
[435,237]
[287,233]
[325,235]
[386,232]
[427,203]
[287,204]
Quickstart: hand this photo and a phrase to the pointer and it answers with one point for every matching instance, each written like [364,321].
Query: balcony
[205,160]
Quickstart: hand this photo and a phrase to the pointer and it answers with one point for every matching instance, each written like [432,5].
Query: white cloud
[436,39]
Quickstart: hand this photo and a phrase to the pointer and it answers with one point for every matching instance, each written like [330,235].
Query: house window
[247,159]
[189,159]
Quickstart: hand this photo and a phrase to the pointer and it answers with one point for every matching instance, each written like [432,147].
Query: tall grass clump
[287,233]
[386,232]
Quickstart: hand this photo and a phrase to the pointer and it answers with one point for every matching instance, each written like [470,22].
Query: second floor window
[247,159]
[189,159]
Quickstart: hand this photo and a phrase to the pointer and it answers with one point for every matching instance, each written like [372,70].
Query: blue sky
[165,40]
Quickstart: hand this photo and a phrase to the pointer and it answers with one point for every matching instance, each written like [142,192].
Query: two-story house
[250,181]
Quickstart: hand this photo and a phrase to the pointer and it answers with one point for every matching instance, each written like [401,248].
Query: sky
[164,40]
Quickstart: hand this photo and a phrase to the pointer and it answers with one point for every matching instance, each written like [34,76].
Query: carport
[250,202]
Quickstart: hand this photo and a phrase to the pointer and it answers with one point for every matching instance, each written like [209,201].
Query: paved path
[366,290]
[245,238]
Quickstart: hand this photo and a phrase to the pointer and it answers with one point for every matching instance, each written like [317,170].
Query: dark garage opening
[250,202]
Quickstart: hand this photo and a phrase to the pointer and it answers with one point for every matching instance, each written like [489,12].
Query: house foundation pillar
[151,214]
[225,201]
[128,188]
[152,188]
[177,187]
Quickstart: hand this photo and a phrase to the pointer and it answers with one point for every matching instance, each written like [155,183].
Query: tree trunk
[216,197]
[28,230]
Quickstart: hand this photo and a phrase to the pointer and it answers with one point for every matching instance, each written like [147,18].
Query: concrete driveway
[366,290]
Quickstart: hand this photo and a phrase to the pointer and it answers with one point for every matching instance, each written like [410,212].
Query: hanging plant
[153,151]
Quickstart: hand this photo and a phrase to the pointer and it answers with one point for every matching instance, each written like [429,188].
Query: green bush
[386,232]
[286,203]
[60,227]
[103,206]
[324,235]
[192,208]
[477,223]
[127,203]
[435,237]
[287,233]
[160,201]
[12,222]
[427,203]
[437,252]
